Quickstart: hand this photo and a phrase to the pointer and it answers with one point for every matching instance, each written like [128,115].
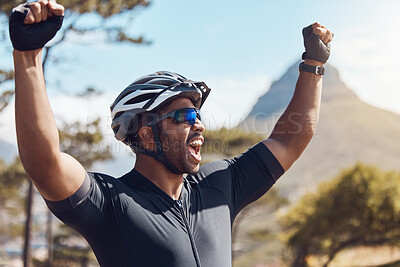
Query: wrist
[315,69]
[313,62]
[28,58]
[27,52]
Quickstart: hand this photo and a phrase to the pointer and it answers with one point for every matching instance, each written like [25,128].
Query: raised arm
[297,125]
[56,175]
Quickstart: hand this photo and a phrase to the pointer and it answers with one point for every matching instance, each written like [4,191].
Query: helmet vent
[163,82]
[140,98]
[118,114]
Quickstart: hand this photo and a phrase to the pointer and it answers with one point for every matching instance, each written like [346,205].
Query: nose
[198,126]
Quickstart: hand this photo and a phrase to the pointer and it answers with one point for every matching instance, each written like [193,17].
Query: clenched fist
[317,40]
[33,24]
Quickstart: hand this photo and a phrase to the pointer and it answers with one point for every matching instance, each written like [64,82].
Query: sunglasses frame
[173,115]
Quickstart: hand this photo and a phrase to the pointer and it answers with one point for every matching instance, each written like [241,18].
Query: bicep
[62,179]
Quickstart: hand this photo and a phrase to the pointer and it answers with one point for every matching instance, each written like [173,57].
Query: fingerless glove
[31,36]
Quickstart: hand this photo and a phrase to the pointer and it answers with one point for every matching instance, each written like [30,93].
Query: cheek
[174,140]
[172,129]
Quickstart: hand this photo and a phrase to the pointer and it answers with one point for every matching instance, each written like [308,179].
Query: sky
[238,48]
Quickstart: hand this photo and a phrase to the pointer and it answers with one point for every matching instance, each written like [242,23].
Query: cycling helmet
[146,94]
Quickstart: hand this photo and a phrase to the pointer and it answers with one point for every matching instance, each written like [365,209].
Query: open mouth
[194,148]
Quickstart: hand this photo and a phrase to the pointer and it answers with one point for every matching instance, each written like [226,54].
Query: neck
[159,175]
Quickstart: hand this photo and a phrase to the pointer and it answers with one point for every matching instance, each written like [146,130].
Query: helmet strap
[159,155]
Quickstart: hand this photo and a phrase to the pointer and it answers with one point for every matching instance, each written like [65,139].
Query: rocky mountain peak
[349,131]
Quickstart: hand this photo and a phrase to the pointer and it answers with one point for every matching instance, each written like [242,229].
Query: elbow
[297,143]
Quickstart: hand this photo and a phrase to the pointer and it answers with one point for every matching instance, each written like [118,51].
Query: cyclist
[153,215]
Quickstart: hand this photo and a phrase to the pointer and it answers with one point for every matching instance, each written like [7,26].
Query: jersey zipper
[196,255]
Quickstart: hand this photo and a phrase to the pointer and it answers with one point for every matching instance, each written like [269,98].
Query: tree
[268,203]
[12,178]
[359,207]
[229,142]
[85,143]
[5,75]
[76,12]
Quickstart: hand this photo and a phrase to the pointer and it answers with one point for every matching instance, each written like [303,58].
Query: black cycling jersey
[131,222]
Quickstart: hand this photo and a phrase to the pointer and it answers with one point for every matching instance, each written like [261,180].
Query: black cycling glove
[315,48]
[31,36]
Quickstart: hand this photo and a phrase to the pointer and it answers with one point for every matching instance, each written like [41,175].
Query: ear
[146,136]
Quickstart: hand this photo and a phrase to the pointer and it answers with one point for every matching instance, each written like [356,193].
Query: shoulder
[215,167]
[257,157]
[93,185]
[102,178]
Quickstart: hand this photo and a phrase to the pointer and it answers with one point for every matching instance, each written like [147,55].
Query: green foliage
[66,253]
[90,91]
[359,207]
[103,8]
[7,5]
[255,231]
[229,142]
[392,264]
[12,177]
[273,199]
[5,96]
[70,256]
[75,11]
[84,142]
[262,235]
[6,75]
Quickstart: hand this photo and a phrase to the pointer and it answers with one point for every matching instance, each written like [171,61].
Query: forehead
[178,103]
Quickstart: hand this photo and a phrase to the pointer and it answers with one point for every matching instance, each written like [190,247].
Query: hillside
[349,131]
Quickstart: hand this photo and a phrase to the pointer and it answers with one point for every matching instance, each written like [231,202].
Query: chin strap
[158,155]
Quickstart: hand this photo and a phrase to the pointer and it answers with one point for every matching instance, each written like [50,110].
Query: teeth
[196,143]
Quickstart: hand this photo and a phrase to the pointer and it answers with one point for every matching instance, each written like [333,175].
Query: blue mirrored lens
[187,115]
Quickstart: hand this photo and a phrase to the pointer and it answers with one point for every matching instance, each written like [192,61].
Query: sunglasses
[183,115]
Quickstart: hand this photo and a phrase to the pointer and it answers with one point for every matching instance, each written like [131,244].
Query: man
[153,216]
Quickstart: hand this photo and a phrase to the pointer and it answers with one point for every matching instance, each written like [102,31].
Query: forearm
[37,134]
[298,123]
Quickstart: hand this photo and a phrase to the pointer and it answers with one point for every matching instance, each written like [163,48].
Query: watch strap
[313,69]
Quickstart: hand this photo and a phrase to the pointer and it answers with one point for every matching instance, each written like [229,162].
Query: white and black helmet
[148,93]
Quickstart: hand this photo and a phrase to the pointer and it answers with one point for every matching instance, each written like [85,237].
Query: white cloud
[68,109]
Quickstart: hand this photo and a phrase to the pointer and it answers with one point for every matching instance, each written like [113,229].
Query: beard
[176,151]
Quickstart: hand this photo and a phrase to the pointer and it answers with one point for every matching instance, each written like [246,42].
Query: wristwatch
[313,69]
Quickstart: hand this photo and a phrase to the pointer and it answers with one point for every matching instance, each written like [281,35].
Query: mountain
[349,131]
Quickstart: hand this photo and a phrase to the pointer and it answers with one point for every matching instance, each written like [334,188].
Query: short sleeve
[242,179]
[93,210]
[89,209]
[71,202]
